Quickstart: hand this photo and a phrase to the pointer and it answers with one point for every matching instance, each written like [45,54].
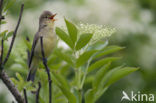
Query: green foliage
[72,30]
[64,37]
[86,57]
[5,34]
[64,57]
[101,62]
[21,83]
[83,40]
[8,4]
[64,86]
[71,68]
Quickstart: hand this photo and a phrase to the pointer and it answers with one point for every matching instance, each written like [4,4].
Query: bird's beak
[52,17]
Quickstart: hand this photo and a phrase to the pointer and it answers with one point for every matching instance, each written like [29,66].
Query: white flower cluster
[99,31]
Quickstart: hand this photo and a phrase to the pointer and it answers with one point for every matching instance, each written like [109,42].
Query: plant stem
[78,80]
[85,74]
[80,95]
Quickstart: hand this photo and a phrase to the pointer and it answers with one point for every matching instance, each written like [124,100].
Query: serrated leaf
[72,30]
[65,57]
[115,75]
[67,93]
[101,62]
[108,50]
[62,80]
[89,96]
[84,57]
[63,36]
[100,74]
[83,40]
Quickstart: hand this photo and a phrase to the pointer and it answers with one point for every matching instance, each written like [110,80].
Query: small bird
[46,30]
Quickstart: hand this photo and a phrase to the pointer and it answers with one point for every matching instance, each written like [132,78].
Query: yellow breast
[49,42]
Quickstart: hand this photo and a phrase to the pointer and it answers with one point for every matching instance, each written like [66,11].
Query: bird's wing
[36,37]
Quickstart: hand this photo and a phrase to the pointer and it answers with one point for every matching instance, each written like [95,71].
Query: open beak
[52,17]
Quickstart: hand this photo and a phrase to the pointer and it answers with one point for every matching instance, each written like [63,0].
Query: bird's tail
[32,71]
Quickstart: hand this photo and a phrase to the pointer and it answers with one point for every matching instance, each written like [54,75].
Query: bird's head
[47,19]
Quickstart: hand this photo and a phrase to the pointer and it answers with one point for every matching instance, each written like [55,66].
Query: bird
[47,32]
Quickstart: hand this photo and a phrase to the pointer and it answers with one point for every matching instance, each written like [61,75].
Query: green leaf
[116,74]
[9,4]
[102,62]
[98,45]
[3,34]
[89,96]
[72,30]
[28,44]
[100,74]
[14,81]
[108,50]
[84,57]
[8,35]
[83,40]
[19,77]
[62,80]
[63,36]
[111,77]
[71,98]
[100,92]
[65,57]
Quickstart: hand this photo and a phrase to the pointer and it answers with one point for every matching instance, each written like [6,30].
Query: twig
[38,92]
[1,55]
[3,75]
[1,8]
[25,95]
[14,35]
[47,69]
[28,52]
[11,87]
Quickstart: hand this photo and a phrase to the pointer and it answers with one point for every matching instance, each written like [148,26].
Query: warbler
[46,30]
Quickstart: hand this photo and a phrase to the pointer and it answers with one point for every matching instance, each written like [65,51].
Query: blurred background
[135,23]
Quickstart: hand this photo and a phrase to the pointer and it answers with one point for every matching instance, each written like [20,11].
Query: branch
[6,80]
[28,52]
[47,69]
[25,95]
[38,92]
[1,55]
[14,35]
[1,8]
[11,87]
